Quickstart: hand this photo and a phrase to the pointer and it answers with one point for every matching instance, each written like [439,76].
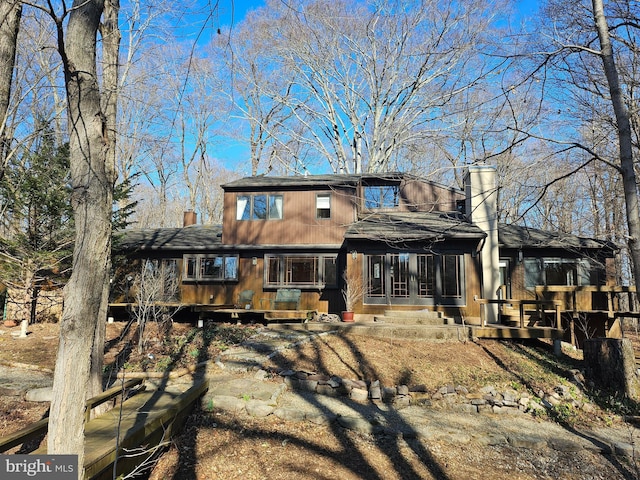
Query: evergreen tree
[36,230]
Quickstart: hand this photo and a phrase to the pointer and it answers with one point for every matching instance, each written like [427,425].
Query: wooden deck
[226,311]
[497,331]
[266,315]
[130,432]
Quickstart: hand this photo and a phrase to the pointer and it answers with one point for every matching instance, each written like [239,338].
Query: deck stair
[417,325]
[421,317]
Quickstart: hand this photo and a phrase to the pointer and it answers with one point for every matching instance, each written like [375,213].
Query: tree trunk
[624,137]
[92,179]
[10,13]
[110,33]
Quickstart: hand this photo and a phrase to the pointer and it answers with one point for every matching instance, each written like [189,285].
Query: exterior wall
[299,225]
[251,278]
[584,299]
[469,311]
[418,196]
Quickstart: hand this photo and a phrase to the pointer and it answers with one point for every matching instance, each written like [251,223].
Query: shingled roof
[193,237]
[412,226]
[265,182]
[515,236]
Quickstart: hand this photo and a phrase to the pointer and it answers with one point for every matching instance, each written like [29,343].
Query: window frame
[537,271]
[429,279]
[272,207]
[376,197]
[194,267]
[279,270]
[320,211]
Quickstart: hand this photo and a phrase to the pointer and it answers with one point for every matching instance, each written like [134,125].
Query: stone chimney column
[482,209]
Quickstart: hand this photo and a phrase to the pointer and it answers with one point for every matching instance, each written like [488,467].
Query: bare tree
[10,13]
[367,82]
[588,59]
[155,285]
[92,180]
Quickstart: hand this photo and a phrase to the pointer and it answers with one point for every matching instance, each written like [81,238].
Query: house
[414,243]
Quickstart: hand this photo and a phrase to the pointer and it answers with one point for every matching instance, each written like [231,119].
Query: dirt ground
[218,445]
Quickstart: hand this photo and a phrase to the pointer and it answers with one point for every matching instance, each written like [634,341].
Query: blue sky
[233,11]
[240,7]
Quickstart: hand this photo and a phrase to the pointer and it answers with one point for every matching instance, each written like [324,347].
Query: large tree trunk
[10,13]
[110,33]
[624,137]
[92,179]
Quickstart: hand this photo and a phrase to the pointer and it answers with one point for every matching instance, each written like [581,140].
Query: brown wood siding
[251,278]
[418,196]
[299,225]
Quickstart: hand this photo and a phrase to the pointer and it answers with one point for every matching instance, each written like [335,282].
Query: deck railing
[520,304]
[614,300]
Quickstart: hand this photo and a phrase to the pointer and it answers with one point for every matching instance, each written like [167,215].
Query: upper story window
[259,207]
[378,197]
[323,205]
[210,267]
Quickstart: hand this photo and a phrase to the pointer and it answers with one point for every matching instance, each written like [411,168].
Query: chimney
[190,218]
[481,207]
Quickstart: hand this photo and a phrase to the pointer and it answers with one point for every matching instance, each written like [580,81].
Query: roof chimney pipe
[190,218]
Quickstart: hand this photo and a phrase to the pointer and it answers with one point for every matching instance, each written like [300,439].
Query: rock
[358,424]
[489,390]
[322,418]
[419,388]
[626,449]
[527,441]
[375,392]
[258,408]
[534,406]
[335,382]
[260,375]
[328,390]
[402,401]
[465,408]
[509,396]
[43,394]
[389,394]
[226,403]
[359,395]
[290,414]
[492,440]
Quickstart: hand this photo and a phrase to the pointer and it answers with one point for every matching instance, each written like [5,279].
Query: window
[426,276]
[451,276]
[259,207]
[210,267]
[300,270]
[378,197]
[323,205]
[560,271]
[415,278]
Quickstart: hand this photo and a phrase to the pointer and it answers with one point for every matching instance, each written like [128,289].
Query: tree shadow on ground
[540,354]
[348,451]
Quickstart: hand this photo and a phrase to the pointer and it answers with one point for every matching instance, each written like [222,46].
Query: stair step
[413,314]
[406,320]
